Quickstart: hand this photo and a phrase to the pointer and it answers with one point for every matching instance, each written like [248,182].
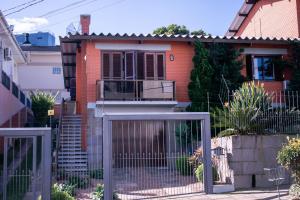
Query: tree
[199,32]
[201,79]
[172,29]
[224,59]
[41,103]
[294,62]
[217,60]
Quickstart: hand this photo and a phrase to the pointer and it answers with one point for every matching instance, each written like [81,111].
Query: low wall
[246,157]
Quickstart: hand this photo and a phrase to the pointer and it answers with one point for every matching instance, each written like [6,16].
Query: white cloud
[27,24]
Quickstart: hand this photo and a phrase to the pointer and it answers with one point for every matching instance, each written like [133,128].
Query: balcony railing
[136,90]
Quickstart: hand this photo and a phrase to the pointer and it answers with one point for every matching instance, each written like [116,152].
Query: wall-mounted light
[172,57]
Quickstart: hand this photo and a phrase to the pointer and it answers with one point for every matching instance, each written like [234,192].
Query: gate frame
[205,142]
[45,133]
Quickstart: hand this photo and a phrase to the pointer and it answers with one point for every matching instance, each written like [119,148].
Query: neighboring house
[43,71]
[14,104]
[37,39]
[267,18]
[146,73]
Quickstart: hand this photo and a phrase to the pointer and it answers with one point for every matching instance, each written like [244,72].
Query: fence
[279,114]
[136,156]
[153,161]
[25,163]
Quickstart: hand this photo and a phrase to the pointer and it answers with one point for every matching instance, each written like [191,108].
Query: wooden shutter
[278,71]
[249,67]
[105,65]
[160,66]
[117,65]
[149,66]
[140,65]
[129,63]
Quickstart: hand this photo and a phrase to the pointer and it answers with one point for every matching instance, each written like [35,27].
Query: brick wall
[272,18]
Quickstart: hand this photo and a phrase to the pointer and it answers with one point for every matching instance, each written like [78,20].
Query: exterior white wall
[9,104]
[38,74]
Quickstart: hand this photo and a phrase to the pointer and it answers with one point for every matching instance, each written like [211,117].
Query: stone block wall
[245,158]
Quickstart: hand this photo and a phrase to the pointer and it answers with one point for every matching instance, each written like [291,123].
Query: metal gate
[25,163]
[156,155]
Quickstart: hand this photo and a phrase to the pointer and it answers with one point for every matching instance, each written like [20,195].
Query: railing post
[206,148]
[107,157]
[46,146]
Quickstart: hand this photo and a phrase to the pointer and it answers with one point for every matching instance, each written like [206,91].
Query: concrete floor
[261,194]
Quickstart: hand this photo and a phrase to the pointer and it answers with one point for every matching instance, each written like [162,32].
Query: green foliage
[41,103]
[172,29]
[227,132]
[70,189]
[183,135]
[224,59]
[244,114]
[199,173]
[96,174]
[289,157]
[177,29]
[58,194]
[294,191]
[98,194]
[201,79]
[78,182]
[183,166]
[294,61]
[199,32]
[210,64]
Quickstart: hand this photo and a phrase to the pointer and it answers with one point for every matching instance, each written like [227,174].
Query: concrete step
[82,153]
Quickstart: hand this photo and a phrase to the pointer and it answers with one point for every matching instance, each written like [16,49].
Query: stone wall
[245,158]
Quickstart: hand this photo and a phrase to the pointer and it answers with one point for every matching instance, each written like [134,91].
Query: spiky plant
[244,113]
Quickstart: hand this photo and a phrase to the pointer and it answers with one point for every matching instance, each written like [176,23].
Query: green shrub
[99,193]
[183,166]
[199,173]
[245,112]
[227,132]
[78,182]
[294,191]
[289,157]
[57,194]
[96,174]
[41,103]
[70,189]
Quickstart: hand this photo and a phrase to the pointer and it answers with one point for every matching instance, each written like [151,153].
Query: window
[263,68]
[131,65]
[56,70]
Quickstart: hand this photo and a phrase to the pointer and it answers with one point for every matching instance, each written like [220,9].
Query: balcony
[136,90]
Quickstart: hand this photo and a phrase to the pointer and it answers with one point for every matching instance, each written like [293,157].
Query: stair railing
[59,130]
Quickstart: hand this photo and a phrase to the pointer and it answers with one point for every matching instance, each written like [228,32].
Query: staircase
[71,158]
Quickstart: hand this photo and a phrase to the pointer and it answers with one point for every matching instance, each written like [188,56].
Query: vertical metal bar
[107,155]
[206,145]
[46,145]
[5,168]
[34,167]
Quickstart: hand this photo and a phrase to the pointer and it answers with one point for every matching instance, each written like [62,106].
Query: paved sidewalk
[262,194]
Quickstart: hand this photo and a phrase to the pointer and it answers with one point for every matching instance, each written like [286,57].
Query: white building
[13,102]
[43,71]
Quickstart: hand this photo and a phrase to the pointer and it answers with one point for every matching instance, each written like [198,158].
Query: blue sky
[125,16]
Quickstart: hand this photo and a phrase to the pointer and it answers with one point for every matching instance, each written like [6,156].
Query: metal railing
[135,90]
[15,90]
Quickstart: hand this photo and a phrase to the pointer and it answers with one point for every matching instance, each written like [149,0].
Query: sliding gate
[153,155]
[25,159]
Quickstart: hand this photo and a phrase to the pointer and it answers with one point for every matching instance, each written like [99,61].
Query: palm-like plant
[244,113]
[41,103]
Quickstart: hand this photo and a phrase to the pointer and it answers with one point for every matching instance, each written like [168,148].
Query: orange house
[148,73]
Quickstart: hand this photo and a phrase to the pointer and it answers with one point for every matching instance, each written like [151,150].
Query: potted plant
[289,157]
